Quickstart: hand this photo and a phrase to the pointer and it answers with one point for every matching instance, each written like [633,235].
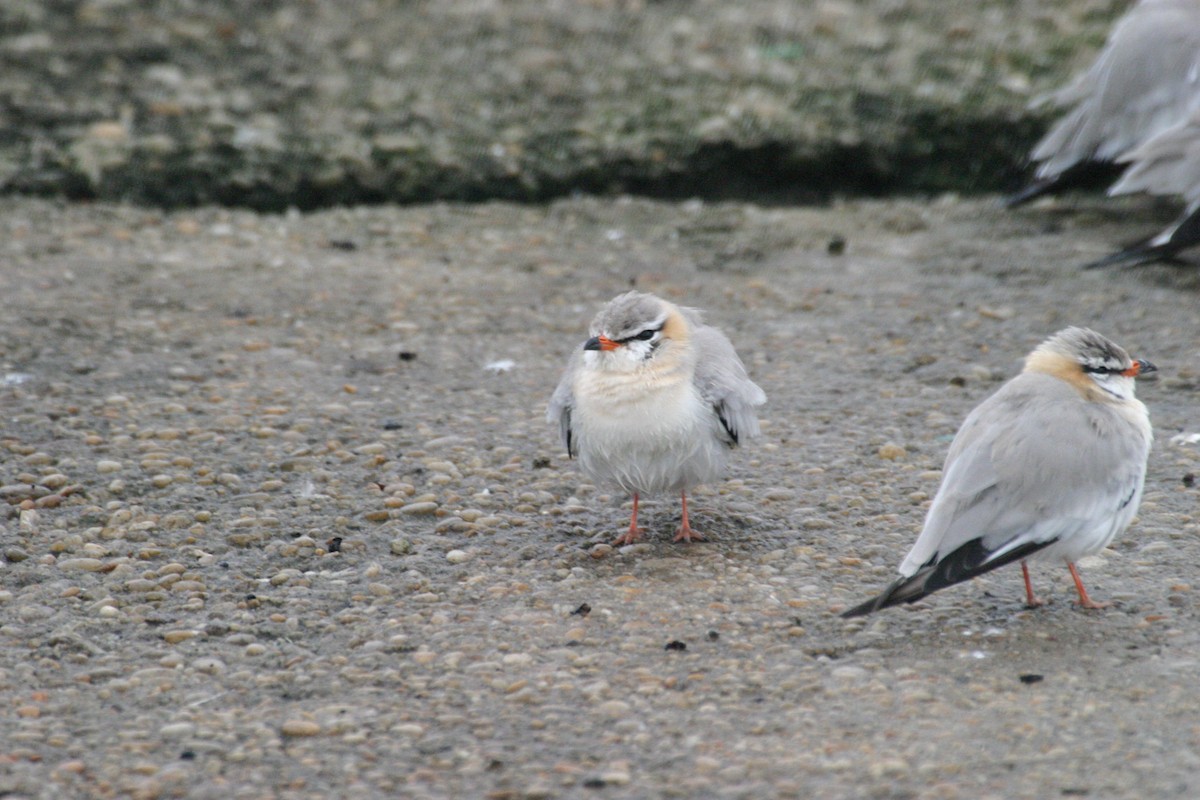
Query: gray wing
[558,410]
[1168,164]
[999,484]
[722,382]
[1143,81]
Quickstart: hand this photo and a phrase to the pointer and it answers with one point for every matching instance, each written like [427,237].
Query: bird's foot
[630,536]
[1034,601]
[687,534]
[1084,600]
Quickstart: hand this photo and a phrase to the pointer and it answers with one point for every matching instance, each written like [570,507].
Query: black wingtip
[1086,175]
[1134,256]
[903,590]
[1164,247]
[968,561]
[1030,192]
[863,609]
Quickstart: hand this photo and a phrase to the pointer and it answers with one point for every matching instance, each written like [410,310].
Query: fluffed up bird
[654,401]
[1142,83]
[1051,465]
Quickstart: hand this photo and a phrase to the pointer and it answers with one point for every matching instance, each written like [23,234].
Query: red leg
[1084,600]
[685,531]
[1031,599]
[630,536]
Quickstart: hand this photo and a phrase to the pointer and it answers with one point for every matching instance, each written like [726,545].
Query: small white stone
[209,665]
[176,730]
[501,365]
[613,709]
[458,556]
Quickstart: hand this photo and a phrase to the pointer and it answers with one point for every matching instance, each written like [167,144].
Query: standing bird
[1145,80]
[1053,463]
[654,401]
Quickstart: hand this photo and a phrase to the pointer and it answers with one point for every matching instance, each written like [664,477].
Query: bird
[1167,164]
[653,401]
[1052,465]
[1145,80]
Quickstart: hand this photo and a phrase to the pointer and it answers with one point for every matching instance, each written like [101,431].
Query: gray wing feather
[1168,164]
[1143,81]
[994,485]
[722,381]
[562,401]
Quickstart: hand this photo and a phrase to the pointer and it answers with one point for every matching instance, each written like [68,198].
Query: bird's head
[1096,366]
[633,329]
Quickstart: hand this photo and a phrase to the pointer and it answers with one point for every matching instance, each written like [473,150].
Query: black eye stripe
[644,336]
[1101,370]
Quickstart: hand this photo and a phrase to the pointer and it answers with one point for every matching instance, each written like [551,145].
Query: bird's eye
[646,335]
[1100,370]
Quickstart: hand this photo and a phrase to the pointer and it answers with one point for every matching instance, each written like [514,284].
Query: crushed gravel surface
[282,517]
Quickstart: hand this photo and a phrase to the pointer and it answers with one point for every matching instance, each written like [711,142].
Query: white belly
[1092,536]
[646,436]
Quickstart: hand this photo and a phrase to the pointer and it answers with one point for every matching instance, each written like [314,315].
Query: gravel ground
[285,519]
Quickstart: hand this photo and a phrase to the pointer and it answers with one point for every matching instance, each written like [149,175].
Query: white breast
[645,431]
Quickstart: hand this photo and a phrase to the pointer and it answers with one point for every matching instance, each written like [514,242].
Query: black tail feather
[968,561]
[1183,234]
[1087,175]
[1133,256]
[1032,191]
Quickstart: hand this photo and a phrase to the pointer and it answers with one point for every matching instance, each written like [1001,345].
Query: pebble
[892,452]
[618,777]
[458,556]
[54,480]
[106,466]
[424,656]
[614,709]
[284,575]
[849,672]
[210,665]
[299,727]
[15,492]
[177,730]
[81,564]
[888,767]
[427,507]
